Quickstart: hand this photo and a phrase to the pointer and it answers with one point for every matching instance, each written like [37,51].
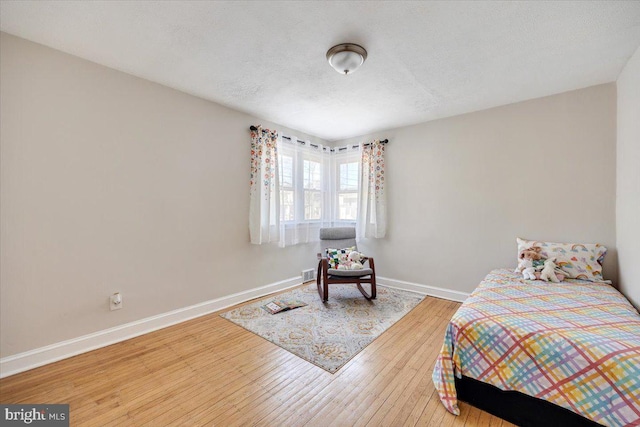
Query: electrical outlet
[115,301]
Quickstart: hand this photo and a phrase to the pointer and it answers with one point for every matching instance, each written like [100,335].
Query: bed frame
[517,408]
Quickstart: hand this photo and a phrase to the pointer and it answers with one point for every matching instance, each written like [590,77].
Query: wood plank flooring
[211,372]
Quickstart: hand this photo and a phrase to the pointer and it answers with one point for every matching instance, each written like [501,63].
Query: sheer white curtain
[345,180]
[372,200]
[298,187]
[264,205]
[305,188]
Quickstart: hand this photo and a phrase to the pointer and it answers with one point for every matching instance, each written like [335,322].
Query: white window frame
[299,156]
[289,188]
[344,155]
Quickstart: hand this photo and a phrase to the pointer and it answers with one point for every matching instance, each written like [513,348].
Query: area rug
[326,334]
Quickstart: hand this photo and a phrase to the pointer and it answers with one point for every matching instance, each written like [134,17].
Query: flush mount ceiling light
[346,58]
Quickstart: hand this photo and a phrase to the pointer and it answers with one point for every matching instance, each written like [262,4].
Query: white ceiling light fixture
[346,58]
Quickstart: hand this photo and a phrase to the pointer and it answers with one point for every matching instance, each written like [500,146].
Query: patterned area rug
[330,334]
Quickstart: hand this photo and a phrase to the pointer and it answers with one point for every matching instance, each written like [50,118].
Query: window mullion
[299,193]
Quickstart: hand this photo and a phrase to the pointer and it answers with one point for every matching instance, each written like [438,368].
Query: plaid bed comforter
[575,344]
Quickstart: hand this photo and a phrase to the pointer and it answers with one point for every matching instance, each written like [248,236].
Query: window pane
[287,209]
[348,206]
[312,204]
[286,171]
[348,176]
[312,178]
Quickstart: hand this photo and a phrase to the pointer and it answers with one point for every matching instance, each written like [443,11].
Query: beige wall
[628,179]
[113,183]
[460,190]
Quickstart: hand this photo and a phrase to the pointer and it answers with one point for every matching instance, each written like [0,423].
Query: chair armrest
[323,265]
[373,269]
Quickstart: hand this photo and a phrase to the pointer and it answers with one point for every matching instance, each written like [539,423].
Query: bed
[542,353]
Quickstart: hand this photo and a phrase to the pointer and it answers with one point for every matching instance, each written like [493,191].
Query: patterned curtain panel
[264,208]
[372,201]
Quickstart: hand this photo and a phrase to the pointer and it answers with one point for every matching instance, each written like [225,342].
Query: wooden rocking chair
[339,238]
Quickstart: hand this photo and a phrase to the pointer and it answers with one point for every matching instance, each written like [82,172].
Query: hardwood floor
[209,371]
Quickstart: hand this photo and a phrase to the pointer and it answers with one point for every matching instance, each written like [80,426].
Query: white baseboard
[21,362]
[433,291]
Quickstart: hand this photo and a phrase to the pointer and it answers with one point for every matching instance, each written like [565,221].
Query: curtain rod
[384,141]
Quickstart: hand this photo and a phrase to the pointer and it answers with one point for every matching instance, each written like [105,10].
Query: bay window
[318,188]
[297,187]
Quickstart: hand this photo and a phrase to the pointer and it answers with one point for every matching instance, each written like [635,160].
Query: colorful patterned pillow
[333,255]
[577,260]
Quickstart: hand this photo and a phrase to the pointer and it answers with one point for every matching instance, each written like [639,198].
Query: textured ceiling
[427,60]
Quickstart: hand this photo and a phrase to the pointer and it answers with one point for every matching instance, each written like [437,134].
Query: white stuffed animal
[548,272]
[343,262]
[352,261]
[528,272]
[356,260]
